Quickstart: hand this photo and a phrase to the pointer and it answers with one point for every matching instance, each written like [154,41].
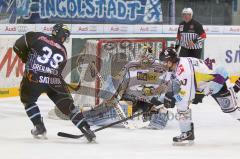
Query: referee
[190,36]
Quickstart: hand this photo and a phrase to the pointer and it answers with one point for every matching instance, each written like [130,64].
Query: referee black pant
[197,53]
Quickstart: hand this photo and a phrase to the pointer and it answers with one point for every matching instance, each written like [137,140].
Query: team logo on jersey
[149,76]
[191,26]
[180,69]
[181,27]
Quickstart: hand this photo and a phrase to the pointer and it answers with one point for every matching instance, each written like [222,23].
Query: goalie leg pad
[103,115]
[159,120]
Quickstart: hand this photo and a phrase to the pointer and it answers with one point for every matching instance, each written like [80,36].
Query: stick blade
[186,143]
[62,134]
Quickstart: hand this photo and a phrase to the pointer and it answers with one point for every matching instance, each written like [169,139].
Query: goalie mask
[61,32]
[147,57]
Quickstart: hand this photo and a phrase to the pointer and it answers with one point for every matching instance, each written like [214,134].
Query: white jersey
[195,75]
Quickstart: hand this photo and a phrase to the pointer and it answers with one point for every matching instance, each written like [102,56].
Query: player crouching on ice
[195,75]
[45,57]
[139,82]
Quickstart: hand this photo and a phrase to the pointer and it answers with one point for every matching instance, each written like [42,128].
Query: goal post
[110,57]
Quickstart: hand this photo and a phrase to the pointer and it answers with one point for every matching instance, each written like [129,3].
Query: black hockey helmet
[168,54]
[61,32]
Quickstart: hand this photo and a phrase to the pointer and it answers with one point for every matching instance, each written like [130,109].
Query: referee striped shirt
[191,31]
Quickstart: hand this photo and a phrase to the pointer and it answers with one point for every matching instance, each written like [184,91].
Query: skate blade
[93,141]
[40,137]
[184,143]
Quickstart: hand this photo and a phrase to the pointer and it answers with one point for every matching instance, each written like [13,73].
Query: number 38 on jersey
[49,57]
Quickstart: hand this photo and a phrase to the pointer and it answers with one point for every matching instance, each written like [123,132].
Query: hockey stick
[79,82]
[74,88]
[67,135]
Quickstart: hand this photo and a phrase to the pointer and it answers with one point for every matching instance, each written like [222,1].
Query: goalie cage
[104,53]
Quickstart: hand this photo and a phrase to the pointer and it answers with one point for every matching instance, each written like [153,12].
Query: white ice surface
[217,136]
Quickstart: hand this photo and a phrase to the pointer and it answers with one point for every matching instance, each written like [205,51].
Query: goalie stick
[79,82]
[67,135]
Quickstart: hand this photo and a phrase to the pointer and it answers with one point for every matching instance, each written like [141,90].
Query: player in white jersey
[195,75]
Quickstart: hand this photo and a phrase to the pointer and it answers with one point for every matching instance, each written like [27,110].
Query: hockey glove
[169,100]
[177,47]
[236,87]
[198,98]
[155,101]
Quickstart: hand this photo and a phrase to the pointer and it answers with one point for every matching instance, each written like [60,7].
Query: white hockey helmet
[187,11]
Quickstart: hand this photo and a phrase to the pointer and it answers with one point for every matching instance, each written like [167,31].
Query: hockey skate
[185,139]
[39,131]
[87,132]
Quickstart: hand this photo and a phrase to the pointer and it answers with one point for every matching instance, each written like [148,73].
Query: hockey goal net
[109,56]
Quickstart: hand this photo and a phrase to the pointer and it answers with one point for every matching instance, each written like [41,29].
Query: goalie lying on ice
[139,82]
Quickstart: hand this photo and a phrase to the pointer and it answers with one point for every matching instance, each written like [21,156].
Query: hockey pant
[59,94]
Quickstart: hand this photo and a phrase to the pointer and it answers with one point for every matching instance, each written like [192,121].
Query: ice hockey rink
[217,136]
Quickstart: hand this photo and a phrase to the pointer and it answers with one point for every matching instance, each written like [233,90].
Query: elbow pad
[21,49]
